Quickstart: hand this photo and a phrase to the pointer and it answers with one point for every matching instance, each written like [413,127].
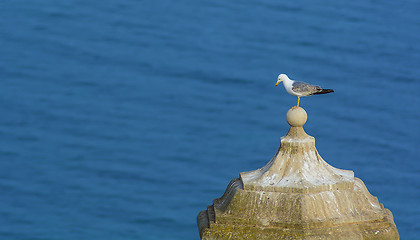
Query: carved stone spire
[297,195]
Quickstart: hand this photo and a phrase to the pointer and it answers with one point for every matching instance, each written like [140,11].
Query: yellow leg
[298,102]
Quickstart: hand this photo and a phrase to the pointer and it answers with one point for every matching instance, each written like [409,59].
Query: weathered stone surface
[297,195]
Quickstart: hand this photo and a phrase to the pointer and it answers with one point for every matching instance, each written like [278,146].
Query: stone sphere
[296,117]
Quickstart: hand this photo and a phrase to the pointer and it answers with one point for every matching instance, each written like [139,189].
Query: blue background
[124,119]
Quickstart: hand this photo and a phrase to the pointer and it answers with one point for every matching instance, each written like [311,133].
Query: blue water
[124,119]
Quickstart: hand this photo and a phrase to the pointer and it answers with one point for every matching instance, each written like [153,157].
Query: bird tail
[323,91]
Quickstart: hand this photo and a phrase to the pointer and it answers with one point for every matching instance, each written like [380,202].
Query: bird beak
[278,82]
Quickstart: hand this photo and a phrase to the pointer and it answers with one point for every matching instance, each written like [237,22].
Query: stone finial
[296,117]
[297,195]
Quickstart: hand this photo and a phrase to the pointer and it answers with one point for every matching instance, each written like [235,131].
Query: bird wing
[304,88]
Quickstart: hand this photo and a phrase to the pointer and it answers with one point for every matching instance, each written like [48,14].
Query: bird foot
[294,107]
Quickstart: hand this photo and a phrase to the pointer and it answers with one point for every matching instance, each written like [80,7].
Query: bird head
[281,78]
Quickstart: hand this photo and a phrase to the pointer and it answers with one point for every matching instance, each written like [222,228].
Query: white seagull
[300,89]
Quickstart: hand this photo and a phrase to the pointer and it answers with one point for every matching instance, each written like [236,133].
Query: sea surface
[125,119]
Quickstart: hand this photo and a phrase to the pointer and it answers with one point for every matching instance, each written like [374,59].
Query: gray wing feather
[305,88]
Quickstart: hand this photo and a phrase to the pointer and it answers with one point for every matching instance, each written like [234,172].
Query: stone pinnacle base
[338,214]
[379,231]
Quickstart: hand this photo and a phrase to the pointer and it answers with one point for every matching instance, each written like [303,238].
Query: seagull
[300,89]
